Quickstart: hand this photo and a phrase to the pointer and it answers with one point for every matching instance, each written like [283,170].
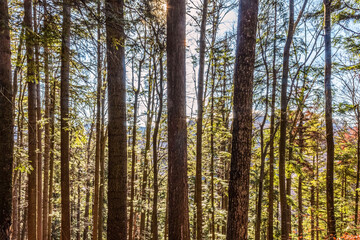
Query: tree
[242,122]
[199,126]
[6,124]
[329,125]
[177,133]
[31,221]
[65,126]
[117,178]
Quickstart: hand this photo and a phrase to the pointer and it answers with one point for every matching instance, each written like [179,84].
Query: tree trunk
[98,133]
[32,193]
[117,135]
[357,169]
[38,127]
[65,131]
[242,122]
[329,127]
[6,124]
[47,130]
[300,203]
[199,126]
[133,153]
[177,132]
[270,228]
[154,225]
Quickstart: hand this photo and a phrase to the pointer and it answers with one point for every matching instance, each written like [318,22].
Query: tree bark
[117,135]
[177,132]
[358,168]
[65,131]
[329,125]
[242,123]
[199,126]
[31,121]
[6,124]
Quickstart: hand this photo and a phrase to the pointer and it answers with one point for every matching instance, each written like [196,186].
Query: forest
[179,119]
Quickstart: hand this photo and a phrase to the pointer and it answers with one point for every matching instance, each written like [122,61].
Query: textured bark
[283,124]
[242,122]
[98,134]
[133,153]
[177,132]
[300,203]
[52,154]
[65,131]
[199,126]
[160,90]
[6,124]
[270,227]
[117,135]
[47,130]
[31,222]
[38,128]
[329,125]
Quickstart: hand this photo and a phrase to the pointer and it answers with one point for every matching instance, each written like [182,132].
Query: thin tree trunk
[117,135]
[300,203]
[6,124]
[270,228]
[199,126]
[177,132]
[154,225]
[65,131]
[312,203]
[32,188]
[38,128]
[102,169]
[52,153]
[330,207]
[47,130]
[133,153]
[242,123]
[98,133]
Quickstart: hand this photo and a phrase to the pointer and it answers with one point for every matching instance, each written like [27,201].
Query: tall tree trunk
[177,132]
[117,135]
[32,193]
[47,129]
[199,126]
[242,123]
[283,123]
[312,202]
[65,131]
[329,127]
[300,203]
[38,127]
[52,153]
[154,224]
[133,153]
[102,169]
[98,132]
[270,227]
[6,124]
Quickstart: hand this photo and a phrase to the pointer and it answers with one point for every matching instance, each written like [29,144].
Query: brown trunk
[32,193]
[150,107]
[329,125]
[133,153]
[102,170]
[87,194]
[270,227]
[52,153]
[177,132]
[154,225]
[212,150]
[312,202]
[6,124]
[199,126]
[65,131]
[117,135]
[38,129]
[300,203]
[242,123]
[98,133]
[283,123]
